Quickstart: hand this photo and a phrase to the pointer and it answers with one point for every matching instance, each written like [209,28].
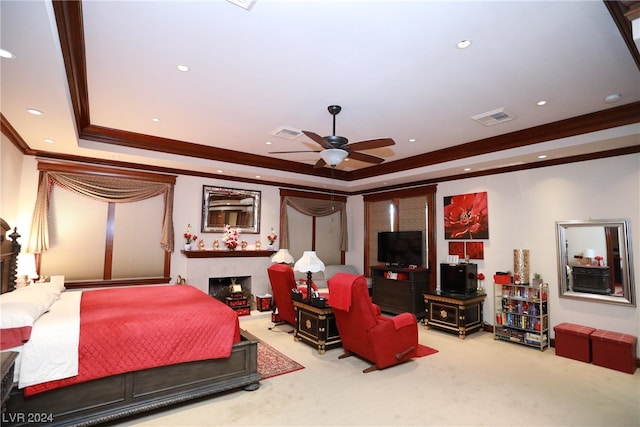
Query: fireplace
[221,287]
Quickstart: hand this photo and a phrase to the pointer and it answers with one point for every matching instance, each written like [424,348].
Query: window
[102,226]
[403,210]
[313,221]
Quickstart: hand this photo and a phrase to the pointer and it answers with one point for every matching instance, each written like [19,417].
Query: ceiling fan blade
[301,151]
[319,164]
[317,138]
[371,143]
[364,157]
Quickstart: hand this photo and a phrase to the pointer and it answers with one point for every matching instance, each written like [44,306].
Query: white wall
[18,187]
[523,208]
[187,208]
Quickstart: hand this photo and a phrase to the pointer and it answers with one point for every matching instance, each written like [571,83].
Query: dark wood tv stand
[404,293]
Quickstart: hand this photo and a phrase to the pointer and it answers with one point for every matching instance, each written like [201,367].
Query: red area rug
[423,351]
[272,363]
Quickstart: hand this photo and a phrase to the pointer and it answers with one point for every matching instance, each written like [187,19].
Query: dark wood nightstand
[316,326]
[459,314]
[8,363]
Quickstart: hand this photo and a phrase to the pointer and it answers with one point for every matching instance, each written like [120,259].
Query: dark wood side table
[8,362]
[316,326]
[461,314]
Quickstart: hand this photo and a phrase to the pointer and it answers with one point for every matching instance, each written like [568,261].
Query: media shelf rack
[522,314]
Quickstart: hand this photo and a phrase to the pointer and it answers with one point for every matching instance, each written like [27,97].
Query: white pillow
[20,308]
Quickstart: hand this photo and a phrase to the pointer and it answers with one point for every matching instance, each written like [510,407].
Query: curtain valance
[314,207]
[97,187]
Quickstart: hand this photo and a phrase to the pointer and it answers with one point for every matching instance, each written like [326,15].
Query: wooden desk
[316,326]
[458,314]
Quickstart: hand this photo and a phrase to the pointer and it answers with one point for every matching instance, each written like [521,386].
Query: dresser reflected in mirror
[595,261]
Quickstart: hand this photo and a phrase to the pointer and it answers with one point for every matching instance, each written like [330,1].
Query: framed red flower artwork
[456,248]
[466,216]
[475,250]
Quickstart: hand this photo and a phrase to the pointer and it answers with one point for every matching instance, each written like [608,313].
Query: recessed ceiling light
[614,97]
[412,140]
[467,169]
[258,176]
[183,68]
[155,120]
[268,142]
[541,103]
[463,44]
[542,156]
[6,54]
[219,171]
[34,111]
[49,140]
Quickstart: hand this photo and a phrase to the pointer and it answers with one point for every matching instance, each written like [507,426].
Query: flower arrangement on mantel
[231,237]
[189,236]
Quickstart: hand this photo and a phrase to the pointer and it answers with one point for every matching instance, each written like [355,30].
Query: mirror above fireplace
[595,262]
[230,206]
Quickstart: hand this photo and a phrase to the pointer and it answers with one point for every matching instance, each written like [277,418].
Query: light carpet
[477,381]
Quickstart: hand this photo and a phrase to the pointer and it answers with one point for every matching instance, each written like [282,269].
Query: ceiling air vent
[286,132]
[491,118]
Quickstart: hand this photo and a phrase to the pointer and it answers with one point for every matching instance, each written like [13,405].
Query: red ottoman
[573,341]
[614,350]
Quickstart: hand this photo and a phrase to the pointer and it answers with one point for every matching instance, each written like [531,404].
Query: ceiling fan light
[333,156]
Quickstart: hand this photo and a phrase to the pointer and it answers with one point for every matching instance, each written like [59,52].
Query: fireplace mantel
[226,254]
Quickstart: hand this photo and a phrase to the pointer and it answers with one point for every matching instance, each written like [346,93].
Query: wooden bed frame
[107,399]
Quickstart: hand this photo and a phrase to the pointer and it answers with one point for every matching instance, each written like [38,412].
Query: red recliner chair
[282,282]
[383,341]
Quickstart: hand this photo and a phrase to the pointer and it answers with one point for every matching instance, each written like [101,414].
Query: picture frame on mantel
[230,206]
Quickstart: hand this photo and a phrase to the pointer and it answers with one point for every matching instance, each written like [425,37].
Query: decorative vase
[243,245]
[270,247]
[258,245]
[187,246]
[216,245]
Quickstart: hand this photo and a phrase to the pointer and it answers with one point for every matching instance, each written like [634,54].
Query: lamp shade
[589,253]
[333,156]
[282,257]
[27,265]
[309,263]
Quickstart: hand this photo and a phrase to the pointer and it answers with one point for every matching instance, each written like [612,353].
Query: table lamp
[282,257]
[309,263]
[589,254]
[26,269]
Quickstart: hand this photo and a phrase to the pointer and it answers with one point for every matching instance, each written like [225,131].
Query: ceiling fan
[336,148]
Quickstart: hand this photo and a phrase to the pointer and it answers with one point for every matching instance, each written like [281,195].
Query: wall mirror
[230,206]
[595,261]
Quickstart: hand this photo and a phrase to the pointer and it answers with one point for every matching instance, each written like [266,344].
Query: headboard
[9,250]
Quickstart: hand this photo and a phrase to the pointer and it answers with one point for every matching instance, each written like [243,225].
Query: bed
[124,376]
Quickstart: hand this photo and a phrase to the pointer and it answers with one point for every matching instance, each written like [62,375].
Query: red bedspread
[129,329]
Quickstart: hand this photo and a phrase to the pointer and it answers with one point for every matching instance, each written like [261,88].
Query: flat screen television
[459,279]
[400,248]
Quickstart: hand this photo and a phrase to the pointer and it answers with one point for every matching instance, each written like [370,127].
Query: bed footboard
[118,396]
